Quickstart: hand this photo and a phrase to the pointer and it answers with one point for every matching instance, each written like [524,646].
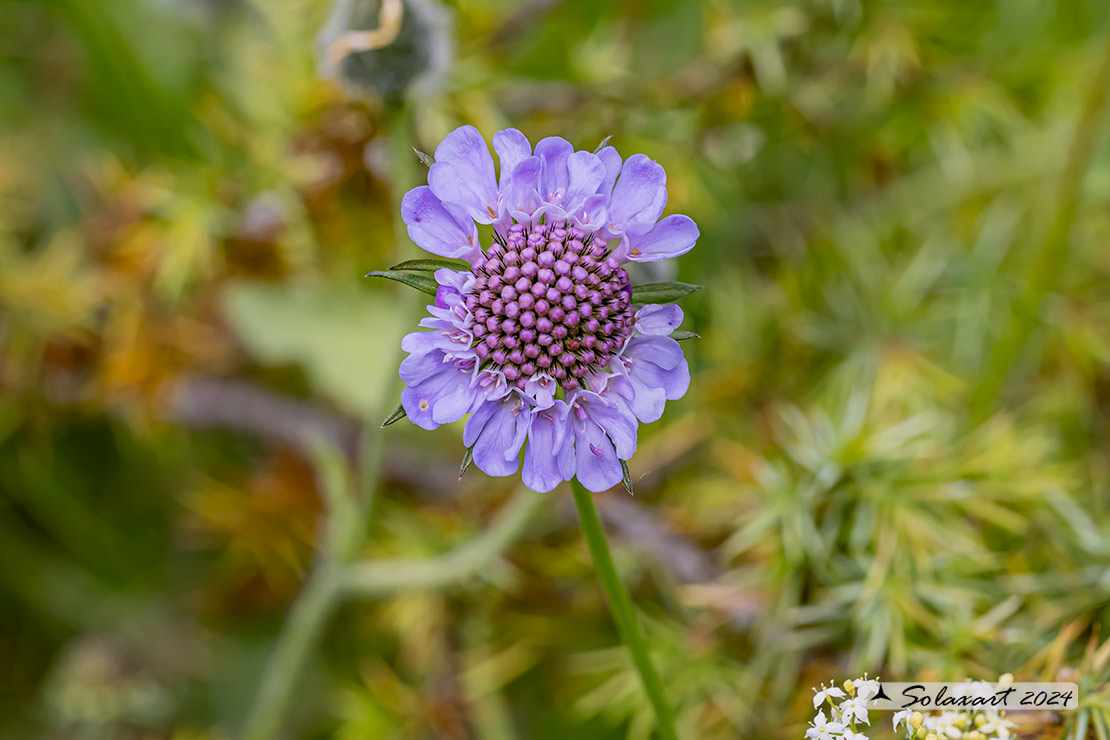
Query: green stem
[624,614]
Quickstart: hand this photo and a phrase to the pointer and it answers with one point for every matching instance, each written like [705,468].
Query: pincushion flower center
[548,299]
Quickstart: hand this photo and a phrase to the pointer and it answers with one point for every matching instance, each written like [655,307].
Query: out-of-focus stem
[624,613]
[1053,252]
[332,582]
[386,576]
[347,512]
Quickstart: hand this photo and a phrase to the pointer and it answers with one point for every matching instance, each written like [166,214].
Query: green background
[894,456]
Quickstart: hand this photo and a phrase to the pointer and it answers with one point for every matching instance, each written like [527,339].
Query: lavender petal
[441,228]
[464,174]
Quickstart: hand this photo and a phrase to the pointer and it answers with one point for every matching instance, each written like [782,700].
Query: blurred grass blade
[331,474]
[682,336]
[1081,725]
[1098,717]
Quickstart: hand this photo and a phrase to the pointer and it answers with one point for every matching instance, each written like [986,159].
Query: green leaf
[662,292]
[604,143]
[626,478]
[423,283]
[343,338]
[468,457]
[682,336]
[425,159]
[397,414]
[431,265]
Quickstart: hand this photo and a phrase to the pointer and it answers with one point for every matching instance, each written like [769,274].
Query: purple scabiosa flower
[540,339]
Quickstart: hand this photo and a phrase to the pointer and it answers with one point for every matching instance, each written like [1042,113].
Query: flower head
[539,339]
[820,696]
[855,710]
[824,729]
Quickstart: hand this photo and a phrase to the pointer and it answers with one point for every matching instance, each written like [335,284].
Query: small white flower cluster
[848,708]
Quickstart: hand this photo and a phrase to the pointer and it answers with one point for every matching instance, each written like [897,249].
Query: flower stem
[624,614]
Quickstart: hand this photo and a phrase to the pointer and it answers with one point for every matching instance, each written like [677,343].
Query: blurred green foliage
[892,457]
